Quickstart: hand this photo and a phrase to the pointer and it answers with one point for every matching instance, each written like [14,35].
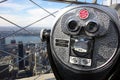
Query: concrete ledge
[49,76]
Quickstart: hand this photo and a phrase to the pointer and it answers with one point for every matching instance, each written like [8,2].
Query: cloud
[31,16]
[39,12]
[14,6]
[36,14]
[25,14]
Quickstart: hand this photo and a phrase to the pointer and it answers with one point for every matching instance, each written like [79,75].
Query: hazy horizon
[14,28]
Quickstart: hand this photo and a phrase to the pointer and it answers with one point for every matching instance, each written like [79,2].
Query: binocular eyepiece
[73,26]
[90,27]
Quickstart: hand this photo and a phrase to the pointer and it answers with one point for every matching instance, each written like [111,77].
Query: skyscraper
[2,42]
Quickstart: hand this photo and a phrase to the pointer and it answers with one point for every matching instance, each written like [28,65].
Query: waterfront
[26,54]
[24,39]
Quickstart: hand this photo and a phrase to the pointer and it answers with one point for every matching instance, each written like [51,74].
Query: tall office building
[2,42]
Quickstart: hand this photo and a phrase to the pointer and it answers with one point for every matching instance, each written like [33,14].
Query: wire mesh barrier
[22,54]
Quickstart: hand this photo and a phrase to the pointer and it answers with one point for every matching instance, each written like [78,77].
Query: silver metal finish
[79,49]
[80,61]
[41,34]
[110,12]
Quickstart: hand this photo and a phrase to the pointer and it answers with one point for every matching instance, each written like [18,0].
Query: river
[24,39]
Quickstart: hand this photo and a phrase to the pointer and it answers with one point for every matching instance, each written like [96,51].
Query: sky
[24,12]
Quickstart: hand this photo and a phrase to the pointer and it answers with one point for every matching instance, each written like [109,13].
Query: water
[24,39]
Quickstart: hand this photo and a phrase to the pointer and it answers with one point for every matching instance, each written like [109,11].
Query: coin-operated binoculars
[84,43]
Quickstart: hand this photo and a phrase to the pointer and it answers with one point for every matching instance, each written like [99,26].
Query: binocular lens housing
[92,27]
[87,48]
[73,26]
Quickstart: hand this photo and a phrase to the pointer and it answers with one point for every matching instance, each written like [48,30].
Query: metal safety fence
[21,58]
[22,54]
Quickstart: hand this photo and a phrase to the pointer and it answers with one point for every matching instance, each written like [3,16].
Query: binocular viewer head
[85,41]
[87,20]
